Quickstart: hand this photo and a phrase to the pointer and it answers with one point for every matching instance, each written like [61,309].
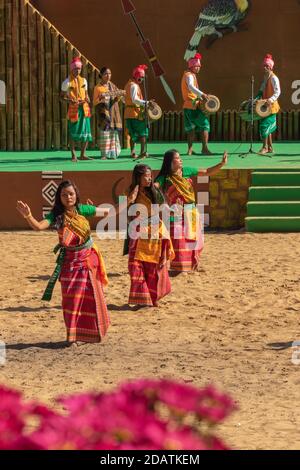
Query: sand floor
[213,328]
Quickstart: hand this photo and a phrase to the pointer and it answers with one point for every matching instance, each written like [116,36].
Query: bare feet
[270,150]
[191,152]
[84,157]
[143,155]
[134,156]
[205,151]
[263,151]
[103,158]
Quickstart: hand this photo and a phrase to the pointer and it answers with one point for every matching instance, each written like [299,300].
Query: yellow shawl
[77,224]
[186,190]
[150,249]
[77,92]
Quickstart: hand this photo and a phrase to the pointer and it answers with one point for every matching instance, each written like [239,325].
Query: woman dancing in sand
[80,267]
[176,183]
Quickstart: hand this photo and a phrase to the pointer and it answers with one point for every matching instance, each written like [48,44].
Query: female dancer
[80,266]
[106,102]
[176,184]
[150,246]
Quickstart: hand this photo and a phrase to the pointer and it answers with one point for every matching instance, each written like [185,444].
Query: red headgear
[76,63]
[195,61]
[268,60]
[139,71]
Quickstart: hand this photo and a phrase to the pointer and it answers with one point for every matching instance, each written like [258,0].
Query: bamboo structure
[34,61]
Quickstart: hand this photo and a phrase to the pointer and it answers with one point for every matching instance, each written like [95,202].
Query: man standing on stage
[74,90]
[194,118]
[269,91]
[135,117]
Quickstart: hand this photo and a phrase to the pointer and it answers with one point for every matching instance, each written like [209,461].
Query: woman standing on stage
[150,252]
[176,184]
[106,102]
[80,267]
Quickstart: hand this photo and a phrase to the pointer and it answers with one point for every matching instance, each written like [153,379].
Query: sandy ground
[213,328]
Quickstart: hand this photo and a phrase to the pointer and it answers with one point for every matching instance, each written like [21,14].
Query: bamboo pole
[56,90]
[16,74]
[41,83]
[24,83]
[48,88]
[33,75]
[3,140]
[9,76]
[63,106]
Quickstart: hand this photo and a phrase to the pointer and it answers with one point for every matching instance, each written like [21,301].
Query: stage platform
[287,156]
[34,176]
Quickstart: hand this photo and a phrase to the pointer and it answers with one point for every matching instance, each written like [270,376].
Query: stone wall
[228,197]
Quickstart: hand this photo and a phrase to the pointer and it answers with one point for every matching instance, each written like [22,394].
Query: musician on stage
[74,90]
[106,102]
[135,114]
[269,91]
[194,118]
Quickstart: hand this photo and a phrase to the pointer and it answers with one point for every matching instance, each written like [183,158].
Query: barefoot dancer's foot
[270,150]
[74,159]
[134,156]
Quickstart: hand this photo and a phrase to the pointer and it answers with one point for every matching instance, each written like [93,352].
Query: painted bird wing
[218,13]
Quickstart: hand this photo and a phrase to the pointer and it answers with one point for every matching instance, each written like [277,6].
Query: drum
[262,109]
[211,106]
[245,111]
[154,111]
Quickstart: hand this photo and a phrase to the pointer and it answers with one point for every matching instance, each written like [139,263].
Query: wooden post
[25,72]
[41,83]
[63,106]
[48,87]
[16,74]
[3,109]
[56,90]
[33,77]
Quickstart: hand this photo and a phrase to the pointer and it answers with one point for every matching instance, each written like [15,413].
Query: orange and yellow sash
[150,249]
[186,190]
[77,91]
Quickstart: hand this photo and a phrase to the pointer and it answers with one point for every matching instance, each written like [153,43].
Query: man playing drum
[194,118]
[135,117]
[269,91]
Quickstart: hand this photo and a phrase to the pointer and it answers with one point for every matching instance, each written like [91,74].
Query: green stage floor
[287,156]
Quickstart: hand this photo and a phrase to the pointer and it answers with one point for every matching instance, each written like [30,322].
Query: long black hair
[58,209]
[153,194]
[166,169]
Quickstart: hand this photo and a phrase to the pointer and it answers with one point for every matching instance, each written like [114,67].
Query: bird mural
[215,16]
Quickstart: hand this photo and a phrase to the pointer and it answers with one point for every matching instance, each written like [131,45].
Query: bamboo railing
[225,126]
[34,61]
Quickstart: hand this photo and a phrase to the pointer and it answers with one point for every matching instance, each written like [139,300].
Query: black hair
[58,209]
[166,168]
[152,192]
[102,71]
